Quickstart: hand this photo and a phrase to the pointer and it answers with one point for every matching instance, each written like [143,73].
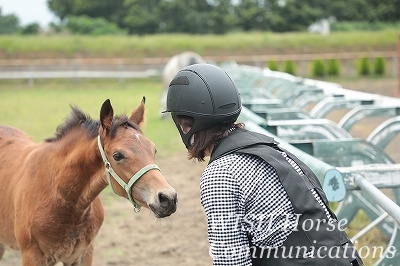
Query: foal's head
[129,156]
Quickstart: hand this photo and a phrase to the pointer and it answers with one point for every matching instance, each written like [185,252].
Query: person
[264,206]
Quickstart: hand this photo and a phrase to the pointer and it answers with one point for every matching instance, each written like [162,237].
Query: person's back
[314,236]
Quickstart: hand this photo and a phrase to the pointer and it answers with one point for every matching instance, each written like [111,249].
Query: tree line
[9,24]
[222,16]
[215,16]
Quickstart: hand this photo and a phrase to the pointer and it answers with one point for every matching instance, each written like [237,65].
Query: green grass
[68,46]
[40,108]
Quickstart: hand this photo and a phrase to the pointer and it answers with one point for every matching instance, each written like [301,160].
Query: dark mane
[78,118]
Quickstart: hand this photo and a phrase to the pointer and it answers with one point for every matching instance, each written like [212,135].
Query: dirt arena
[129,238]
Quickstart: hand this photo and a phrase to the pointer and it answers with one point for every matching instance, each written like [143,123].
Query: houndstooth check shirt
[245,201]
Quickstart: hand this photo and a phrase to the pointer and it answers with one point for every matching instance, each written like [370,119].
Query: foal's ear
[137,115]
[106,115]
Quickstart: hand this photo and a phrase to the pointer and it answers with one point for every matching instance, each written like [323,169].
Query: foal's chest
[68,237]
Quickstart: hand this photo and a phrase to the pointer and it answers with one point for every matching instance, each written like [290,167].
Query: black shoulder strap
[239,139]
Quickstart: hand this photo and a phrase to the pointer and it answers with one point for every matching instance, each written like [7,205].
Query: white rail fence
[355,172]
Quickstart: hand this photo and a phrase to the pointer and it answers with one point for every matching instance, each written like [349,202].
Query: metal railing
[355,172]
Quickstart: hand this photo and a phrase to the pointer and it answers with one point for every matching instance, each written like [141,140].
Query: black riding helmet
[207,94]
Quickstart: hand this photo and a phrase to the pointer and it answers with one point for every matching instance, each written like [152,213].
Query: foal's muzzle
[165,205]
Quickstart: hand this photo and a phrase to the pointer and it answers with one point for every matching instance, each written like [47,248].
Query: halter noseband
[127,186]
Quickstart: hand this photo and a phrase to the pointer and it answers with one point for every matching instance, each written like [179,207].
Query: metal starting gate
[355,172]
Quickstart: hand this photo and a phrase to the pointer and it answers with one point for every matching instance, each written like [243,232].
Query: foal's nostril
[166,204]
[166,201]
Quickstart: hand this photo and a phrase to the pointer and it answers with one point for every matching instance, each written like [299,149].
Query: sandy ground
[128,238]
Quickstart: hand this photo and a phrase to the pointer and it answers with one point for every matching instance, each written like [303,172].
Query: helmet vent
[181,80]
[227,106]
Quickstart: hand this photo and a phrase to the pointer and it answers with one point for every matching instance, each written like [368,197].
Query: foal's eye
[118,156]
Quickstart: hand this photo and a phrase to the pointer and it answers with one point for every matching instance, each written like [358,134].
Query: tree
[141,16]
[61,8]
[30,29]
[221,16]
[318,69]
[273,65]
[184,16]
[365,10]
[92,26]
[289,67]
[364,67]
[9,24]
[333,67]
[379,66]
[112,11]
[298,15]
[251,15]
[172,18]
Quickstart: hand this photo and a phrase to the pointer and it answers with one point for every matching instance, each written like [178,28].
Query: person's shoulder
[220,168]
[233,160]
[224,160]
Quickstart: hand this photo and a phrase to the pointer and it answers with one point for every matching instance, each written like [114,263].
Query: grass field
[39,109]
[71,46]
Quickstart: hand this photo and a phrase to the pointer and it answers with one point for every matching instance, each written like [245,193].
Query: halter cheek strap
[126,186]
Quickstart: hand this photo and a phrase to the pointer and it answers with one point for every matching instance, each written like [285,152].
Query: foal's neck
[84,172]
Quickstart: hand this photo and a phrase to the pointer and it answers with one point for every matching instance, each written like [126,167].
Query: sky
[28,11]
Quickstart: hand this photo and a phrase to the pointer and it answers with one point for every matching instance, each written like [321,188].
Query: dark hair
[205,138]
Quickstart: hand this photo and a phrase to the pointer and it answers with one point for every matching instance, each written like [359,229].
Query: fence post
[31,80]
[121,68]
[398,67]
[76,70]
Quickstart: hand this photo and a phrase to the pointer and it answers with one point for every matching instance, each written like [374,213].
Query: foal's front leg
[88,257]
[2,250]
[33,256]
[86,260]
